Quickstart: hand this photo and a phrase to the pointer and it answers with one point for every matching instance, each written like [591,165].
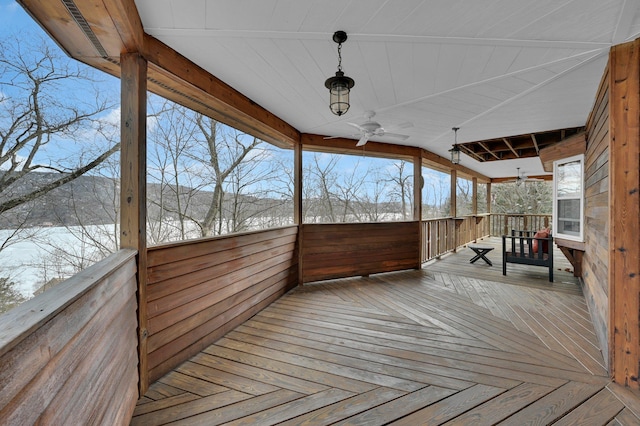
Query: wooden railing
[199,290]
[503,223]
[69,355]
[444,235]
[341,250]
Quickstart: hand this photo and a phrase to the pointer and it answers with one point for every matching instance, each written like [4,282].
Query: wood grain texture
[351,249]
[573,145]
[624,214]
[595,260]
[68,368]
[197,291]
[432,346]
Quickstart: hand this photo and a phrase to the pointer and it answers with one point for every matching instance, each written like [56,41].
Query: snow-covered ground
[30,263]
[47,253]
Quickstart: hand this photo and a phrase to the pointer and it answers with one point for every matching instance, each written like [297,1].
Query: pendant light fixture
[455,151]
[339,85]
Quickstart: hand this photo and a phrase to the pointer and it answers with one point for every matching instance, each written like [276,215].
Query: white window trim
[556,229]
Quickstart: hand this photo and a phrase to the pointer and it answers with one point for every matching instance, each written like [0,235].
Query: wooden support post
[474,206]
[417,201]
[454,208]
[454,179]
[624,214]
[133,187]
[297,203]
[489,209]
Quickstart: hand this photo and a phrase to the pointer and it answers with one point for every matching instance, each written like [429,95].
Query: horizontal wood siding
[197,291]
[353,249]
[595,262]
[69,355]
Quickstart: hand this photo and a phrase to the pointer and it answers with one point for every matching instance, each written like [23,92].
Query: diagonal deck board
[433,346]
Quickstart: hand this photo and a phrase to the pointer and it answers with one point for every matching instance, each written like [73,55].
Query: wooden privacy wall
[352,249]
[68,356]
[595,262]
[199,290]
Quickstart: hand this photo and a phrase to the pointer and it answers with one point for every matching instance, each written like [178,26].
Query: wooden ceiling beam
[535,143]
[506,141]
[348,146]
[471,153]
[488,150]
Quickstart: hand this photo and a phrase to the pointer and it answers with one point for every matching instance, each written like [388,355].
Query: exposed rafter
[535,142]
[512,147]
[482,144]
[506,141]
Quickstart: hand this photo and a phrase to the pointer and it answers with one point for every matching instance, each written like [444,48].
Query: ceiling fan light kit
[339,85]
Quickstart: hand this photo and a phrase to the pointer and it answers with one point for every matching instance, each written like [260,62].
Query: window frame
[577,196]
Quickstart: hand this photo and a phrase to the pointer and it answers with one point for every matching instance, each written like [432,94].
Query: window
[568,199]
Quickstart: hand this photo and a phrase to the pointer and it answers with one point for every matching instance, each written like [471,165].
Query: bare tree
[436,194]
[402,187]
[320,183]
[9,297]
[527,198]
[37,107]
[464,196]
[207,178]
[174,184]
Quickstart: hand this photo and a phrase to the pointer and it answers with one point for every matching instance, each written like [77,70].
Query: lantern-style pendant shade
[455,154]
[455,151]
[339,87]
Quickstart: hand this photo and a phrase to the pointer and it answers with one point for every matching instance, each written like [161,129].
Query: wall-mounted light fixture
[339,85]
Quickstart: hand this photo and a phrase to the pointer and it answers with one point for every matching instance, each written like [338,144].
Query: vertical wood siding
[68,356]
[595,263]
[624,213]
[353,249]
[197,291]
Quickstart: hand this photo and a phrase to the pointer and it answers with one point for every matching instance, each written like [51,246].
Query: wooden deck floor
[450,344]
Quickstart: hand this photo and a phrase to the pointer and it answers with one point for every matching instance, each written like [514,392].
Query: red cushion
[543,233]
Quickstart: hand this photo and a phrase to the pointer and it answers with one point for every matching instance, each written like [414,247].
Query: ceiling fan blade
[357,126]
[397,136]
[353,135]
[405,125]
[363,140]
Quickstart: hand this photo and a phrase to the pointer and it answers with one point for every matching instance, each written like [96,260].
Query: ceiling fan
[522,177]
[371,128]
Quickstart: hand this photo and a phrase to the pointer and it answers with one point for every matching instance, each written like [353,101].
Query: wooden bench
[518,248]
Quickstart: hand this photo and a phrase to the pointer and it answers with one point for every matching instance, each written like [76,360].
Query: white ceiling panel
[495,68]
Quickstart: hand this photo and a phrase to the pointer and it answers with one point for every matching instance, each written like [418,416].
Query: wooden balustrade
[503,223]
[68,356]
[444,235]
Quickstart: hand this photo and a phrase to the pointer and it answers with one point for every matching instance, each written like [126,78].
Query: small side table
[480,252]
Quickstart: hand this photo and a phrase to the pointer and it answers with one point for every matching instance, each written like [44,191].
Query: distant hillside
[93,200]
[84,200]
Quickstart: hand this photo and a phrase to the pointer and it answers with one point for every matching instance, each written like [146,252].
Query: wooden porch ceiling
[513,147]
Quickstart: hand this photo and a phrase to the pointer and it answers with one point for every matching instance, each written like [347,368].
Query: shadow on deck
[453,343]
